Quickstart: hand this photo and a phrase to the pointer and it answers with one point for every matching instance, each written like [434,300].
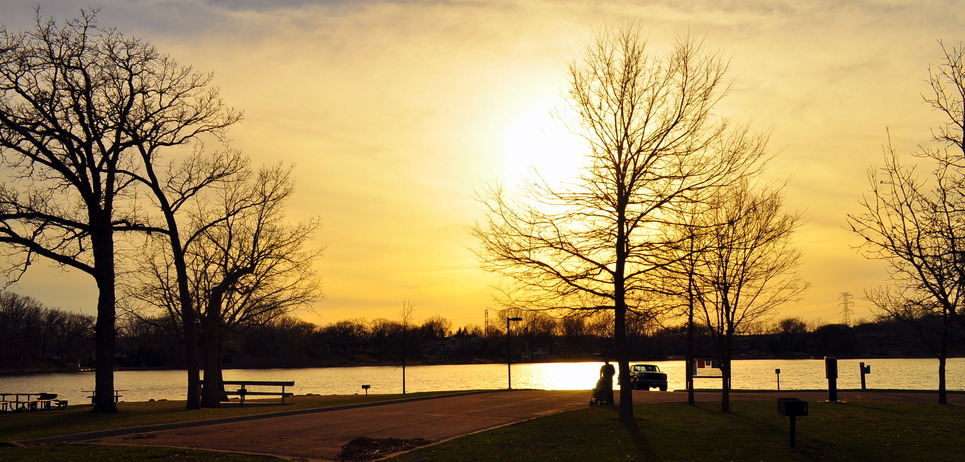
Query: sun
[537,141]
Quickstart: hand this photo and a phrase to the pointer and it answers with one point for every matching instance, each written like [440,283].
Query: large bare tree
[77,103]
[915,222]
[654,143]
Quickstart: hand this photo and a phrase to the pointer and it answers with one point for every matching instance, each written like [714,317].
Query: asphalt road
[320,435]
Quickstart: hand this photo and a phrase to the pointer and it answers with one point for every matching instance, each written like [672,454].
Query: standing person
[607,372]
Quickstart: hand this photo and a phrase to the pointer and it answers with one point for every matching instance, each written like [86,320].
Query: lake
[796,374]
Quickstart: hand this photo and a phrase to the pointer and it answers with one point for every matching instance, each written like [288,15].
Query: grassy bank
[669,432]
[752,431]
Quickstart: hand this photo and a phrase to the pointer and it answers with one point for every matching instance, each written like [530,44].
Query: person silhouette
[606,381]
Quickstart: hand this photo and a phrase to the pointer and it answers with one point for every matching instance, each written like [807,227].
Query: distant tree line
[38,338]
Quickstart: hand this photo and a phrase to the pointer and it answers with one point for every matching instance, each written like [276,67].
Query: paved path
[320,435]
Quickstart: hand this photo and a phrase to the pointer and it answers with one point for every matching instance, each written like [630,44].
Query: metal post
[778,372]
[793,430]
[864,370]
[831,371]
[509,357]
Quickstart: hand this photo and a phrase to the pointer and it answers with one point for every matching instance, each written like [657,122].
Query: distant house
[536,352]
[448,349]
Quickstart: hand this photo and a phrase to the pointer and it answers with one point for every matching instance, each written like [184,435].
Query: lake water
[802,374]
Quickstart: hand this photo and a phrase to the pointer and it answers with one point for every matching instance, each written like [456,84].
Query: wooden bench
[243,390]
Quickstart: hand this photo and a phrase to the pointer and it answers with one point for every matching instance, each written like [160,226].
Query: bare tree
[917,225]
[929,319]
[172,189]
[77,102]
[745,266]
[248,266]
[405,316]
[654,142]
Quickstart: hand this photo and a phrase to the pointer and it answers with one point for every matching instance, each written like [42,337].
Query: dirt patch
[363,448]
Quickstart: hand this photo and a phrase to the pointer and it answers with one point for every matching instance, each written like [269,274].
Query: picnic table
[243,390]
[30,402]
[93,394]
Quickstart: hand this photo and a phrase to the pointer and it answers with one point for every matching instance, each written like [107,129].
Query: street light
[509,357]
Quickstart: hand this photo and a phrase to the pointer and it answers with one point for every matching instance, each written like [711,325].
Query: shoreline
[78,370]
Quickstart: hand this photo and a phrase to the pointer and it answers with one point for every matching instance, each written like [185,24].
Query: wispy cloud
[394,111]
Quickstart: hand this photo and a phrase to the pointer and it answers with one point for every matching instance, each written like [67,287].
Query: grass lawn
[666,432]
[753,431]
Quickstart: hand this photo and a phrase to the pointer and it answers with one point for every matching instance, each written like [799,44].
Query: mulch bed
[363,448]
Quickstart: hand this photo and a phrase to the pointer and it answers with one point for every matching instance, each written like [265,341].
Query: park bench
[244,391]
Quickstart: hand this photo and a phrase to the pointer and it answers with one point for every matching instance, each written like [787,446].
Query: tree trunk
[104,336]
[942,393]
[725,369]
[942,363]
[104,327]
[192,360]
[689,366]
[623,362]
[221,392]
[189,316]
[210,323]
[189,320]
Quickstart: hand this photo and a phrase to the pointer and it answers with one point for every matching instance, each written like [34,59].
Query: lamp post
[509,356]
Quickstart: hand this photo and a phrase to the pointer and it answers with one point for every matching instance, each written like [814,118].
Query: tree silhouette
[917,225]
[81,108]
[654,143]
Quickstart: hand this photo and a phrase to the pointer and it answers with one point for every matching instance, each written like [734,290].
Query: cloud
[393,112]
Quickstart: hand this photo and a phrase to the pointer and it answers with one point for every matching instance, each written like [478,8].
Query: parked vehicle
[647,376]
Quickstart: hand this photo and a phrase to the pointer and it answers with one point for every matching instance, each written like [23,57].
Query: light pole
[509,357]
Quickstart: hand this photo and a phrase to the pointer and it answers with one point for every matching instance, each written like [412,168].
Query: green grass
[752,431]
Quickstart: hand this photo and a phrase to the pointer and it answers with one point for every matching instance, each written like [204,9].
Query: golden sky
[394,112]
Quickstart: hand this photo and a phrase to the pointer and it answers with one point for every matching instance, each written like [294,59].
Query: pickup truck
[647,376]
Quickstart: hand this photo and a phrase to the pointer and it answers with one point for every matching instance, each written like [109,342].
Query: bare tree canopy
[245,265]
[744,265]
[916,222]
[655,142]
[81,109]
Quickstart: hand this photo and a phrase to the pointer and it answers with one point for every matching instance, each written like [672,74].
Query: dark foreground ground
[321,434]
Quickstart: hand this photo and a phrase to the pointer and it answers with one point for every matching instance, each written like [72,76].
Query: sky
[394,113]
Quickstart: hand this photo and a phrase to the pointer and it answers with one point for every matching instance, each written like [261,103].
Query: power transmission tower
[846,305]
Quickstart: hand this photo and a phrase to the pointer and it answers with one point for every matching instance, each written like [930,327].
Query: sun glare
[536,142]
